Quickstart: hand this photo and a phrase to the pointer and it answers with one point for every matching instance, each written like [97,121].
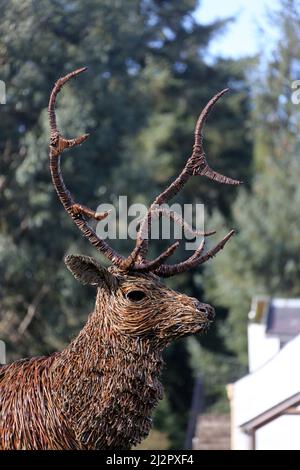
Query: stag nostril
[206,310]
[210,312]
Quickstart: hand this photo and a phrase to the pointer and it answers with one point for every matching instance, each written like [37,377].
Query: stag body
[100,391]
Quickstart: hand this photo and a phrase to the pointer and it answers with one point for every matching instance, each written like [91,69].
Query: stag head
[139,305]
[130,292]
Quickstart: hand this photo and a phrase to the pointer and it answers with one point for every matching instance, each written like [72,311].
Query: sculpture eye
[135,295]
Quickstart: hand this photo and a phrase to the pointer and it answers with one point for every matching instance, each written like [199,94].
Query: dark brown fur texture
[99,392]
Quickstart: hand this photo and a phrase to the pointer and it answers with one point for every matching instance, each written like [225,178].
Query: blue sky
[241,37]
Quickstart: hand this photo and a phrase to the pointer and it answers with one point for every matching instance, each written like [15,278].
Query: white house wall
[276,381]
[281,434]
[261,348]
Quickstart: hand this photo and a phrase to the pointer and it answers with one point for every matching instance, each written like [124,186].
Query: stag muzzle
[206,311]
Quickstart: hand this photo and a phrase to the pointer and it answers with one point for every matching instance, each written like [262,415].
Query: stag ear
[87,271]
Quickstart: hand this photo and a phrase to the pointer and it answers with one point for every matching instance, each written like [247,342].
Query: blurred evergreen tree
[264,257]
[275,117]
[147,80]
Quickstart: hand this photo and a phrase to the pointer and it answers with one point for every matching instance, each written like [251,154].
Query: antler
[195,165]
[195,260]
[79,212]
[76,211]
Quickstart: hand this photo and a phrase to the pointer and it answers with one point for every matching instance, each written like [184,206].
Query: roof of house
[283,318]
[270,389]
[288,406]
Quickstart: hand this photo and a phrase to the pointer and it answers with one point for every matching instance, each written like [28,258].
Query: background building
[265,404]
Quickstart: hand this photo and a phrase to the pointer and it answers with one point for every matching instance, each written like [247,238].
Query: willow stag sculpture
[100,391]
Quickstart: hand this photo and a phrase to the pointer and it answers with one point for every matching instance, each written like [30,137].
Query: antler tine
[195,260]
[195,165]
[56,89]
[154,264]
[198,155]
[76,211]
[162,211]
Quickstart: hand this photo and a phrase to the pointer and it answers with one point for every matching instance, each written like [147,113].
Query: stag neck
[99,340]
[103,379]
